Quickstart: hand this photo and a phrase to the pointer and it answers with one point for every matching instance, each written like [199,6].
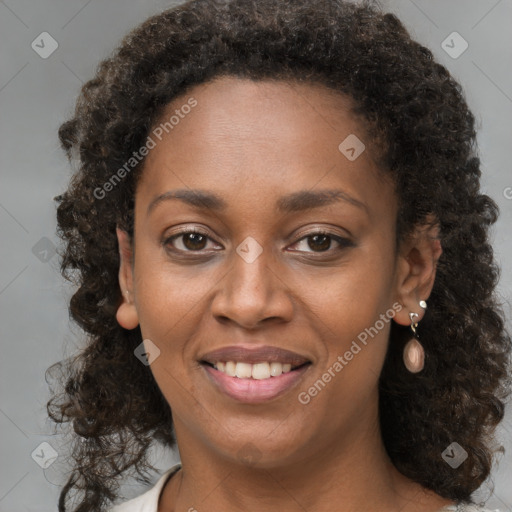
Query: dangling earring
[414,355]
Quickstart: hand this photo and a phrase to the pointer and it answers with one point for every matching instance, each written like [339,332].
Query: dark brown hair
[415,113]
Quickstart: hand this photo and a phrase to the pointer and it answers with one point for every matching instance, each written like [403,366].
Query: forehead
[248,138]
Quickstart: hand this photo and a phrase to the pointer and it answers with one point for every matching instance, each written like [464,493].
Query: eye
[191,240]
[321,241]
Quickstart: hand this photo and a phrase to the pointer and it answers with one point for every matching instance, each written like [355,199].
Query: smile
[257,371]
[254,383]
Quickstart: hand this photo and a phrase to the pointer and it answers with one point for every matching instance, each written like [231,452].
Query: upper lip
[259,354]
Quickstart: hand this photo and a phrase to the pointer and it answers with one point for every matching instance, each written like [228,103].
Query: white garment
[148,502]
[465,508]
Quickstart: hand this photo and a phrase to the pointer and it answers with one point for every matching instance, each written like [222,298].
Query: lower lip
[254,391]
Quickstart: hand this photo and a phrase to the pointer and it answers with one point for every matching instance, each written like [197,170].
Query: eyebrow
[291,203]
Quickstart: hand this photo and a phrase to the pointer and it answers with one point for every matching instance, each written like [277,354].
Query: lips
[262,386]
[251,391]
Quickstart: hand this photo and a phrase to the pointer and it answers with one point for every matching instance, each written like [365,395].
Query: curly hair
[414,112]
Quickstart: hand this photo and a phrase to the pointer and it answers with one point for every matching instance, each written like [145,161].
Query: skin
[251,143]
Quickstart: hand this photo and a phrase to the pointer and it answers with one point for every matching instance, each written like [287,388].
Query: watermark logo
[44,250]
[304,397]
[143,151]
[352,147]
[249,454]
[454,455]
[147,352]
[249,250]
[44,455]
[44,45]
[454,45]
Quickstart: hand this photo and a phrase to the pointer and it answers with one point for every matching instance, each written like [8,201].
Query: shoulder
[147,502]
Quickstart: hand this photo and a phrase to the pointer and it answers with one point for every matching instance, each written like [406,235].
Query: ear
[126,315]
[416,269]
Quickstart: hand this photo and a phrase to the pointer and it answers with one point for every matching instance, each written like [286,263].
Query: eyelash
[343,242]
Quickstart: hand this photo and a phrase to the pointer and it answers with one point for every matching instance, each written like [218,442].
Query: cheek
[169,315]
[170,308]
[170,300]
[350,297]
[352,309]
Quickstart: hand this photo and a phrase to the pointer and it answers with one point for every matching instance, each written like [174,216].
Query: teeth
[243,370]
[260,371]
[256,371]
[276,369]
[230,368]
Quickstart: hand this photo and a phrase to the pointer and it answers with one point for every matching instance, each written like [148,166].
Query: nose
[253,292]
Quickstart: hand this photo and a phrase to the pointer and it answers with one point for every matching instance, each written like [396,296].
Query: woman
[283,268]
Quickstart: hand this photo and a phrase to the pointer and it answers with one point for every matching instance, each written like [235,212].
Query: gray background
[37,94]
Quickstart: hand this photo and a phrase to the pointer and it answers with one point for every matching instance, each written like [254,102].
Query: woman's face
[256,276]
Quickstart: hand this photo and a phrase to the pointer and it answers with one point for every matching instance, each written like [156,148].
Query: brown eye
[322,242]
[188,241]
[194,241]
[319,242]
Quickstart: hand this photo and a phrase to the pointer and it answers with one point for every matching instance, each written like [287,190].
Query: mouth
[254,375]
[257,371]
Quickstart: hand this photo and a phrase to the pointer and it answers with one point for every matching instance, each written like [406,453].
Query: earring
[414,355]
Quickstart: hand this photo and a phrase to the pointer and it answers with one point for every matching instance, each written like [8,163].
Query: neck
[356,474]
